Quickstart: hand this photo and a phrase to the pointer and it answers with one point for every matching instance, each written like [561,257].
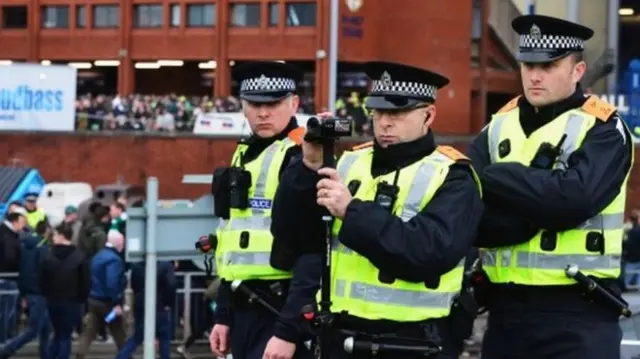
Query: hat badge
[535,32]
[385,79]
[262,81]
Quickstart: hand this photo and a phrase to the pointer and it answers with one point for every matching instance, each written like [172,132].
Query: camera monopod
[324,318]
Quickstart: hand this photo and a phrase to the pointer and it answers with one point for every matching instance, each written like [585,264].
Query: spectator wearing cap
[32,252]
[34,214]
[71,218]
[10,233]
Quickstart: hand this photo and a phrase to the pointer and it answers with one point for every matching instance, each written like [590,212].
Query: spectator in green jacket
[93,235]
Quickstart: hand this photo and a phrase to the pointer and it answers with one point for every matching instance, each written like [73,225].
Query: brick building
[155,46]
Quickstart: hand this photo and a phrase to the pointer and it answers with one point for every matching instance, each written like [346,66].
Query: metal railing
[190,306]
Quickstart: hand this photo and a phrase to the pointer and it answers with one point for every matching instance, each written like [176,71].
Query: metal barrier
[190,307]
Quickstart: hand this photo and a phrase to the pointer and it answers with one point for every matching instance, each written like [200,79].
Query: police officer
[247,189]
[34,214]
[554,166]
[405,215]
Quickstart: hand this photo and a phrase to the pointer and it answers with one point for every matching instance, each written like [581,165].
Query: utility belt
[411,339]
[587,290]
[272,292]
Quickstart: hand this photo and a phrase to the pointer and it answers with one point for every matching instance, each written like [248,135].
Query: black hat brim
[540,57]
[265,97]
[392,103]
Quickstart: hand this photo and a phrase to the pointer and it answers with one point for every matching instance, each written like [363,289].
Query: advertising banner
[37,98]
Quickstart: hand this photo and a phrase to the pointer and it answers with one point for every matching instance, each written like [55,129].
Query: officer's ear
[429,115]
[293,102]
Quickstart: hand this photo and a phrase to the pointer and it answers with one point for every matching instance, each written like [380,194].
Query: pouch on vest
[239,184]
[220,192]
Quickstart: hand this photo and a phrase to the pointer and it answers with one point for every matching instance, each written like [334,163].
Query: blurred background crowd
[178,113]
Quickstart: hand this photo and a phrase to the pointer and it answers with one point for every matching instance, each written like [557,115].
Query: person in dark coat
[32,253]
[11,231]
[165,300]
[64,282]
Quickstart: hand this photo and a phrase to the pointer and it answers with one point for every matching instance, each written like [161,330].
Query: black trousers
[569,328]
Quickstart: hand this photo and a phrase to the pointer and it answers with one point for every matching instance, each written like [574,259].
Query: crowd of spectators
[177,113]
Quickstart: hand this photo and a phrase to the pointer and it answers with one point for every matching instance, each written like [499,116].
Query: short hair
[120,206]
[65,229]
[93,206]
[578,56]
[13,216]
[16,203]
[42,227]
[101,211]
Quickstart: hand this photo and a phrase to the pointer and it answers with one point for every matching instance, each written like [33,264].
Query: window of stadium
[274,14]
[106,16]
[81,16]
[147,16]
[174,16]
[245,15]
[14,17]
[301,14]
[55,17]
[201,15]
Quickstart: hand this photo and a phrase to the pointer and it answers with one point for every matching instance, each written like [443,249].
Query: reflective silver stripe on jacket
[261,182]
[258,220]
[258,223]
[401,297]
[419,186]
[536,260]
[346,162]
[247,258]
[572,130]
[606,221]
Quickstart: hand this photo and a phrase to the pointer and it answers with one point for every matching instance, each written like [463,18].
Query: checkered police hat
[545,39]
[266,81]
[397,86]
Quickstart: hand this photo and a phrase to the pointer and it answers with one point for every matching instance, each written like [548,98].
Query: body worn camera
[547,155]
[327,129]
[239,184]
[386,196]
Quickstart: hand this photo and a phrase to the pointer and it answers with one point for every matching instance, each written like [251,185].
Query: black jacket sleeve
[297,225]
[563,199]
[222,314]
[291,325]
[431,243]
[299,237]
[498,226]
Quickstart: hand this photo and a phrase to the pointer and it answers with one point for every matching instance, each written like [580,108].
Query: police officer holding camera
[405,215]
[554,165]
[243,196]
